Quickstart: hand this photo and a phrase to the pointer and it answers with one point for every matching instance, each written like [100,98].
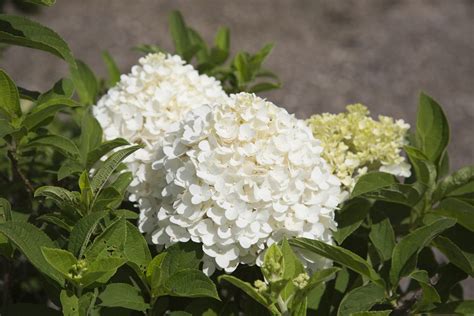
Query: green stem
[283,307]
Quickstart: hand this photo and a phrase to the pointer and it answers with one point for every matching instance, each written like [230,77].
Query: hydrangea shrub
[177,190]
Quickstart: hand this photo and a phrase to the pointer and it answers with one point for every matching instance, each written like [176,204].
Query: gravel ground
[328,53]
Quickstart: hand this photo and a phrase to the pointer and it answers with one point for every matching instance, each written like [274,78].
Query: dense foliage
[69,240]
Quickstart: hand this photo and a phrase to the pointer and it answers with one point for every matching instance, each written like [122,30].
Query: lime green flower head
[354,143]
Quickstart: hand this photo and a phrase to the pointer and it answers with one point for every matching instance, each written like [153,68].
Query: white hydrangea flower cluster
[157,93]
[238,177]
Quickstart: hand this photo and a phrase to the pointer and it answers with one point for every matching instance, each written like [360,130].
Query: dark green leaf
[6,128]
[361,299]
[62,197]
[91,135]
[462,211]
[55,219]
[372,181]
[179,34]
[264,86]
[458,308]
[9,97]
[29,239]
[425,170]
[136,249]
[318,278]
[62,89]
[40,114]
[246,287]
[339,255]
[46,3]
[82,232]
[405,253]
[123,295]
[90,87]
[190,283]
[350,217]
[180,257]
[68,168]
[382,237]
[432,129]
[430,296]
[454,254]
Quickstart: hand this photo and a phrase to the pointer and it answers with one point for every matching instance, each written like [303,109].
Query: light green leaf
[123,295]
[17,30]
[190,283]
[432,129]
[6,128]
[69,303]
[43,111]
[243,71]
[59,259]
[350,217]
[29,239]
[247,288]
[127,214]
[154,274]
[112,69]
[382,237]
[462,211]
[101,270]
[62,144]
[107,169]
[82,232]
[86,191]
[339,255]
[110,243]
[454,254]
[453,182]
[273,255]
[405,253]
[372,181]
[430,296]
[9,97]
[103,149]
[220,53]
[361,299]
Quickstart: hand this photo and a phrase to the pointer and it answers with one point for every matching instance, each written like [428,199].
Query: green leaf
[181,256]
[62,89]
[41,113]
[247,288]
[179,34]
[425,170]
[373,313]
[432,129]
[86,191]
[361,299]
[112,69]
[103,149]
[430,296]
[220,53]
[46,3]
[9,97]
[350,217]
[5,211]
[264,86]
[154,273]
[69,303]
[453,182]
[123,295]
[339,255]
[68,168]
[82,232]
[382,237]
[101,270]
[62,144]
[108,199]
[243,71]
[406,194]
[91,135]
[55,219]
[17,30]
[257,59]
[372,181]
[462,211]
[62,197]
[6,128]
[29,239]
[90,87]
[110,243]
[454,254]
[190,283]
[273,255]
[59,259]
[107,169]
[136,249]
[405,253]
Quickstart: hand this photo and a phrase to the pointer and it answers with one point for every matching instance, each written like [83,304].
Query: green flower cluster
[354,143]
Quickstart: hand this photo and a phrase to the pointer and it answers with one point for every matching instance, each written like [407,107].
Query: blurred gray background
[328,53]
